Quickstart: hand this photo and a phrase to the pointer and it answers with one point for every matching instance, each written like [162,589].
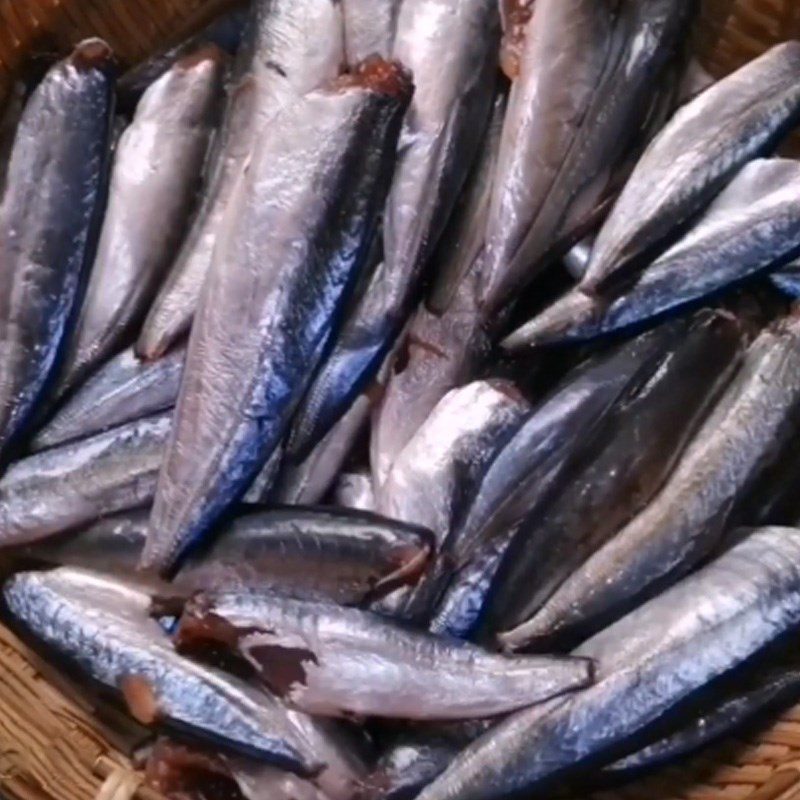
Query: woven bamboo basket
[56,745]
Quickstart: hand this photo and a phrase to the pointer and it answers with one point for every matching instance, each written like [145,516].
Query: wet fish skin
[441,138]
[63,488]
[103,626]
[354,490]
[567,45]
[440,469]
[437,355]
[328,160]
[123,390]
[314,553]
[369,28]
[577,259]
[775,689]
[449,453]
[154,181]
[460,612]
[646,36]
[363,344]
[332,394]
[310,553]
[110,545]
[278,61]
[635,452]
[451,48]
[556,435]
[261,489]
[313,655]
[47,220]
[752,109]
[647,663]
[683,523]
[456,259]
[752,226]
[309,482]
[225,32]
[445,342]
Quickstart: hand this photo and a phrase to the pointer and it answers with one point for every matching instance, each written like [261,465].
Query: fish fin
[407,573]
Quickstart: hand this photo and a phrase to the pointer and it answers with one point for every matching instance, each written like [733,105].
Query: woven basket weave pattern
[54,748]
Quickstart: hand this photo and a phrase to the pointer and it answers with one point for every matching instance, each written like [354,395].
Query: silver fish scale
[111,645]
[690,161]
[684,522]
[677,643]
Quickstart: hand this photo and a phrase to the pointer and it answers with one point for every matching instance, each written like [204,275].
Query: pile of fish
[398,398]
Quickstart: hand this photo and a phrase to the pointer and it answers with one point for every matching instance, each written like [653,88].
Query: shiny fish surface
[103,625]
[567,45]
[445,342]
[369,28]
[312,553]
[123,390]
[329,162]
[537,459]
[59,489]
[154,181]
[309,482]
[437,473]
[772,689]
[290,47]
[354,368]
[752,226]
[692,160]
[449,46]
[112,544]
[439,353]
[225,32]
[309,553]
[355,490]
[685,520]
[262,488]
[459,250]
[633,456]
[647,36]
[416,756]
[440,465]
[335,661]
[48,217]
[460,612]
[647,663]
[643,38]
[787,280]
